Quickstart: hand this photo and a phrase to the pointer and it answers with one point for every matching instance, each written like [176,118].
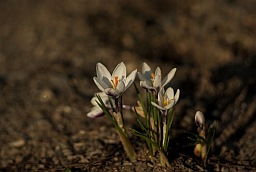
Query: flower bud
[199,119]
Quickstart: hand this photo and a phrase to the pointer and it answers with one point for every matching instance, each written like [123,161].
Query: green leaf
[170,118]
[109,115]
[145,137]
[190,144]
[192,139]
[142,126]
[111,103]
[209,147]
[198,138]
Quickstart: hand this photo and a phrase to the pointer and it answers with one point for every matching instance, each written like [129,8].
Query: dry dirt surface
[48,53]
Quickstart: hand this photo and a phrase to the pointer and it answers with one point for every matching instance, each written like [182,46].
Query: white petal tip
[199,119]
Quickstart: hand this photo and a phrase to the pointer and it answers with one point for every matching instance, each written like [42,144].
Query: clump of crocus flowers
[154,111]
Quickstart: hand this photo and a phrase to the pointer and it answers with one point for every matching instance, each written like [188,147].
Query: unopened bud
[199,119]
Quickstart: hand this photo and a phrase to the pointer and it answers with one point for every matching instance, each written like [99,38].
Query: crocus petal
[107,81]
[199,119]
[158,71]
[177,95]
[146,85]
[148,75]
[170,105]
[102,71]
[95,112]
[169,77]
[160,96]
[120,87]
[145,67]
[100,84]
[146,71]
[157,106]
[158,77]
[120,71]
[112,92]
[104,97]
[157,81]
[141,77]
[169,94]
[94,101]
[130,79]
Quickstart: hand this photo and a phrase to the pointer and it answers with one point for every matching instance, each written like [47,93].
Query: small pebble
[115,159]
[78,146]
[17,143]
[46,96]
[127,163]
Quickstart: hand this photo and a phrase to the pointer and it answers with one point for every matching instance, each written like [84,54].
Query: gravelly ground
[48,52]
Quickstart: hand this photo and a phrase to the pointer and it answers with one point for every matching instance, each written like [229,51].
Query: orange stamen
[152,77]
[167,101]
[115,82]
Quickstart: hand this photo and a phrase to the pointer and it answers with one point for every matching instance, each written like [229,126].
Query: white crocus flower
[96,111]
[166,99]
[113,85]
[199,119]
[152,81]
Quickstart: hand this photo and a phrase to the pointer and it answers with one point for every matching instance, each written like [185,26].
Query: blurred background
[48,53]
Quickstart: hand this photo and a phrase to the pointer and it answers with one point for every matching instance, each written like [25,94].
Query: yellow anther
[153,75]
[167,101]
[114,82]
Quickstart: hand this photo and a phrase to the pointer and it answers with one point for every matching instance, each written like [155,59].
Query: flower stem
[124,137]
[127,146]
[163,159]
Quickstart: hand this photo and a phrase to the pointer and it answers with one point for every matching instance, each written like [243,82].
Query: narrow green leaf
[145,137]
[190,144]
[109,115]
[209,147]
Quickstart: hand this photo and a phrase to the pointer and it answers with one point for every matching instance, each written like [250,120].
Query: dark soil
[48,53]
